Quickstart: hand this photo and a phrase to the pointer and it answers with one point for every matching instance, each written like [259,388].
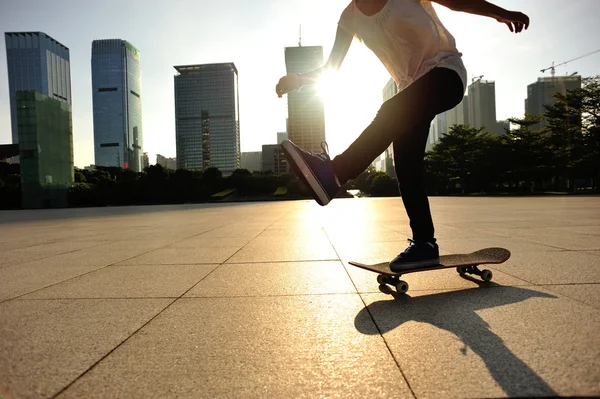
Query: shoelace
[325,154]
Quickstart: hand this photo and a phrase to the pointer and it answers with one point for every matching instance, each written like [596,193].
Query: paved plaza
[256,300]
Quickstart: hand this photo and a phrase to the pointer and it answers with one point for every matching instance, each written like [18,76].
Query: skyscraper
[458,115]
[437,130]
[482,105]
[117,103]
[306,114]
[385,162]
[281,136]
[273,159]
[252,161]
[36,62]
[542,93]
[46,150]
[207,121]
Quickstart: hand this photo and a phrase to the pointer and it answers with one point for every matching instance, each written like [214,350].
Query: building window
[107,89]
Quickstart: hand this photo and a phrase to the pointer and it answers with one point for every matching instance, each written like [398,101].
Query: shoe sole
[305,173]
[416,265]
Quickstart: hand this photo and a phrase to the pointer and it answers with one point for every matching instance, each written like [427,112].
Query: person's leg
[409,154]
[437,91]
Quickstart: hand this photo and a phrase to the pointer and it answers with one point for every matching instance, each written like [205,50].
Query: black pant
[404,120]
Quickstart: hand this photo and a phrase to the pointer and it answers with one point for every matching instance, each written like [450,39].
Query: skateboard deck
[464,264]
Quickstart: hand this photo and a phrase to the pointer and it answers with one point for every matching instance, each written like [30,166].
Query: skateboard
[464,264]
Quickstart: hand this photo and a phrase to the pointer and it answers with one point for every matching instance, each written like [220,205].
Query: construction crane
[552,67]
[476,78]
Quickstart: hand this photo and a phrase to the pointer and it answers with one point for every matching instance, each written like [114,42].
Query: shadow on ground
[456,312]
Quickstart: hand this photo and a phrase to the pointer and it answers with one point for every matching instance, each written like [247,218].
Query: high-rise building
[252,161]
[502,127]
[542,93]
[46,150]
[36,62]
[117,104]
[458,115]
[385,162]
[437,130]
[482,105]
[207,121]
[167,163]
[146,160]
[306,113]
[273,159]
[281,136]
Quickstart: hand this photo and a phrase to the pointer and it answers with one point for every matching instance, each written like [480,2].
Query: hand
[287,84]
[515,21]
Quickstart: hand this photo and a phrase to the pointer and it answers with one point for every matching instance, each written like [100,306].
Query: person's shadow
[456,312]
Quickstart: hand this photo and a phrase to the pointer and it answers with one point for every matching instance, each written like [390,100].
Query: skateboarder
[421,56]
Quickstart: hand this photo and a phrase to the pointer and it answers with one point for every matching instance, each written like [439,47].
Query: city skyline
[512,61]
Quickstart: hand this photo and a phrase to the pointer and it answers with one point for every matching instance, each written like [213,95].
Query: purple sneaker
[315,170]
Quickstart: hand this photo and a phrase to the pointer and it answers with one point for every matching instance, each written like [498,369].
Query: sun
[351,99]
[327,86]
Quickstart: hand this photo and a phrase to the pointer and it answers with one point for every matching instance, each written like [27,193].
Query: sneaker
[417,255]
[315,170]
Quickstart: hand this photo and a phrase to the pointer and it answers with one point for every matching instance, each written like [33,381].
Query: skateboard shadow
[456,312]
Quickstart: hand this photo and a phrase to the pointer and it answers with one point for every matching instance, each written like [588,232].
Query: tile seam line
[399,367]
[95,270]
[219,265]
[70,384]
[328,294]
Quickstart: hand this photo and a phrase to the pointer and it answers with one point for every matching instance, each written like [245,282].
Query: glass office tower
[306,112]
[46,150]
[117,104]
[207,122]
[36,62]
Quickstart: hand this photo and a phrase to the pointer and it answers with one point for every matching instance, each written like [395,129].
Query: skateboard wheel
[401,287]
[486,275]
[461,270]
[381,279]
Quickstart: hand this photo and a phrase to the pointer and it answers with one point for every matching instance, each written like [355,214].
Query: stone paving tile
[566,267]
[572,241]
[147,281]
[45,345]
[267,279]
[211,242]
[460,245]
[490,342]
[173,256]
[276,347]
[586,293]
[28,277]
[42,251]
[282,248]
[370,252]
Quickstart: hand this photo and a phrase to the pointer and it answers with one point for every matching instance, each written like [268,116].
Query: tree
[459,157]
[573,122]
[528,157]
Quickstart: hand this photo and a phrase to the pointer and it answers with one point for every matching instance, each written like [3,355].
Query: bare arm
[515,20]
[340,48]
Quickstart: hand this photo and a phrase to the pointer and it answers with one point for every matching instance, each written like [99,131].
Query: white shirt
[408,38]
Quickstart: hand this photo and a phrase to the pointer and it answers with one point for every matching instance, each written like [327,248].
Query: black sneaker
[315,170]
[417,255]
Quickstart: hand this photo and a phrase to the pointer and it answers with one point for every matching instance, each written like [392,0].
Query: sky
[253,35]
